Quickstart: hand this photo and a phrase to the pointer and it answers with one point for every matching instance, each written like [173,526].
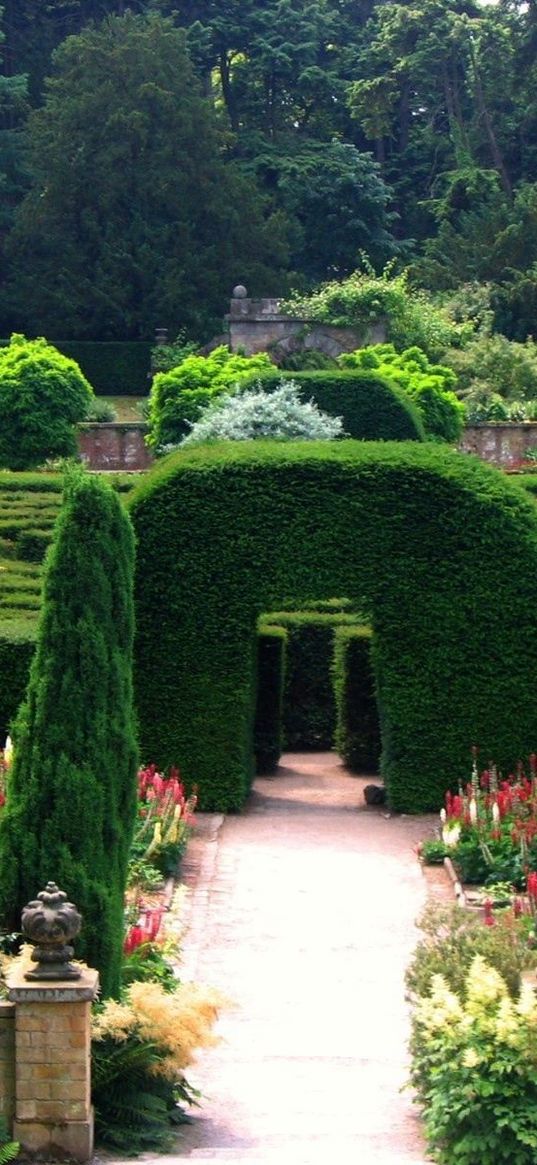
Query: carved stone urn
[50,921]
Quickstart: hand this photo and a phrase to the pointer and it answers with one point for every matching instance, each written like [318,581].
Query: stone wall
[258,325]
[121,446]
[114,445]
[505,444]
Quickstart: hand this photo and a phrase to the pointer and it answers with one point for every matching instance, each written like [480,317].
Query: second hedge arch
[438,551]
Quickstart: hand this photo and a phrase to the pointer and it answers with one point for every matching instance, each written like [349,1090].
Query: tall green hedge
[268,735]
[357,736]
[113,367]
[71,797]
[438,550]
[309,705]
[17,646]
[372,409]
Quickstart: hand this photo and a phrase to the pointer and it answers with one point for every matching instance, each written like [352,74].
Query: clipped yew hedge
[268,733]
[438,550]
[372,408]
[309,704]
[357,735]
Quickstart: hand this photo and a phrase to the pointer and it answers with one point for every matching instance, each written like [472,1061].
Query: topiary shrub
[357,735]
[439,551]
[268,736]
[178,397]
[42,396]
[71,797]
[430,386]
[371,409]
[256,414]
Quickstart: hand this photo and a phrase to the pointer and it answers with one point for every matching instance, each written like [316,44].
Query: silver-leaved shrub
[254,414]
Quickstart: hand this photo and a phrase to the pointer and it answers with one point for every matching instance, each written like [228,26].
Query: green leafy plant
[9,1149]
[365,299]
[164,357]
[474,1068]
[451,937]
[101,411]
[430,386]
[42,396]
[433,852]
[178,397]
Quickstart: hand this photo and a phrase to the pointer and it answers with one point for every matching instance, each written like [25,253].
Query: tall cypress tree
[72,794]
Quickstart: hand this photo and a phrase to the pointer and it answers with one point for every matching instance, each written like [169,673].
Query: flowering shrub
[490,826]
[165,819]
[474,1068]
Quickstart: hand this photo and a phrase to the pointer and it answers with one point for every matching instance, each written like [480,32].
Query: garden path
[302,909]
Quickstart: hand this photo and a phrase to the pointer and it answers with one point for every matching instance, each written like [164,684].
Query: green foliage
[433,851]
[365,299]
[42,395]
[357,730]
[133,1105]
[309,708]
[429,385]
[307,360]
[72,790]
[492,367]
[164,357]
[255,414]
[371,408]
[123,106]
[8,1149]
[17,646]
[268,736]
[101,411]
[228,532]
[474,1066]
[180,396]
[451,938]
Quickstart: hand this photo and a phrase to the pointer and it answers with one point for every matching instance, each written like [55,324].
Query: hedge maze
[438,551]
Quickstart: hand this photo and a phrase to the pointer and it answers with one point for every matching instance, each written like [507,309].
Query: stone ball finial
[50,921]
[239,292]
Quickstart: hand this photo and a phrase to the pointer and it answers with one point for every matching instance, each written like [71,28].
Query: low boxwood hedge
[438,550]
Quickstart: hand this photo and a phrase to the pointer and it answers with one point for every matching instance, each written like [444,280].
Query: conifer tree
[72,793]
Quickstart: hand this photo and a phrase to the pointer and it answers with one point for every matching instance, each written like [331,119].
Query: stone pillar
[53,1113]
[7,1062]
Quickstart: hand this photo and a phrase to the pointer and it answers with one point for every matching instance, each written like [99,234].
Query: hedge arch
[437,550]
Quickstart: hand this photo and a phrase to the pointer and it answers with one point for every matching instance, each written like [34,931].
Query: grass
[126,407]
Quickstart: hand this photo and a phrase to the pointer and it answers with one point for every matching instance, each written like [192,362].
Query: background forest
[154,155]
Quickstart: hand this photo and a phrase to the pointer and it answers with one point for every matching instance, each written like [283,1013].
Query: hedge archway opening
[439,551]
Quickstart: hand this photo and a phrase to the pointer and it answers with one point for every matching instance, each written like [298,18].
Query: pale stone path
[302,910]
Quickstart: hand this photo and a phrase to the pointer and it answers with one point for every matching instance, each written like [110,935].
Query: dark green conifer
[72,794]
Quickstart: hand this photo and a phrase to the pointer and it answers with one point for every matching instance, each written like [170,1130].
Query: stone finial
[161,336]
[50,921]
[239,292]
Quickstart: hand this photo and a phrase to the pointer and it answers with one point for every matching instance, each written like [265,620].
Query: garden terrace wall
[438,551]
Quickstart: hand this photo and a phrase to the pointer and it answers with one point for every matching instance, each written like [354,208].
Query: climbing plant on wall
[438,551]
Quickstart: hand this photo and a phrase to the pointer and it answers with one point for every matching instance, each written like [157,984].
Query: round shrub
[256,414]
[42,396]
[178,397]
[371,409]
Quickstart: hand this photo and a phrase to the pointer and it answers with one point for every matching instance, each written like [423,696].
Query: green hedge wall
[113,367]
[17,646]
[268,735]
[309,705]
[357,736]
[372,409]
[437,549]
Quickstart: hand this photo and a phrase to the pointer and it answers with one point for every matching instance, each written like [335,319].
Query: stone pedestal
[53,1111]
[7,1062]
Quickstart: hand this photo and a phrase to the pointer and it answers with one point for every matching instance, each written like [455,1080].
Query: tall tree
[71,800]
[134,219]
